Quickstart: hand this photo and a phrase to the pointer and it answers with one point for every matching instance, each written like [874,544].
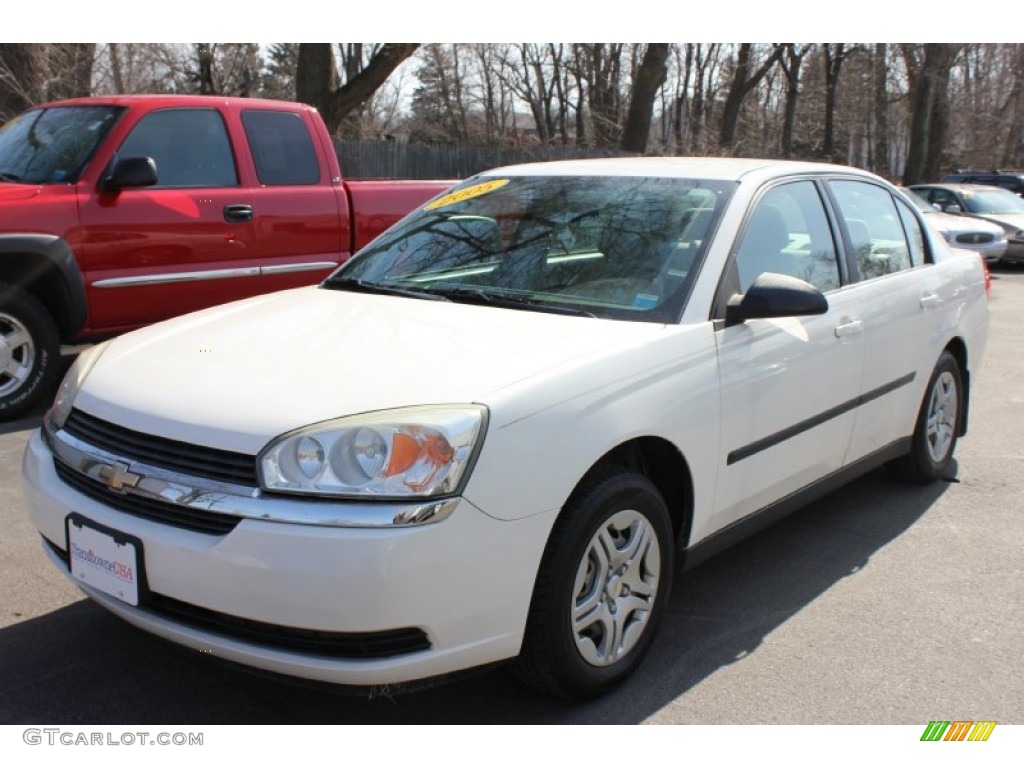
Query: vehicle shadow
[80,664]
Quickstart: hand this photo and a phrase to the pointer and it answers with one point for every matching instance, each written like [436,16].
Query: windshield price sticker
[104,563]
[466,193]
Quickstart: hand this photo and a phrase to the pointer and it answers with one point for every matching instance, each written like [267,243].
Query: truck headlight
[420,452]
[73,381]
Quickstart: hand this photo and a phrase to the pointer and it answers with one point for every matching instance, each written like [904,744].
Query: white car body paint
[561,392]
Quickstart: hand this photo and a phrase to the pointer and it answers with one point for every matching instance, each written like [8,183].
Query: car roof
[721,168]
[958,187]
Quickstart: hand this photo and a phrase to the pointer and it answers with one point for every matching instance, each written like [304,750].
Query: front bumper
[464,582]
[1014,251]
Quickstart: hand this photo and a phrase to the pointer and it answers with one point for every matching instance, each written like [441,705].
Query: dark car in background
[1011,180]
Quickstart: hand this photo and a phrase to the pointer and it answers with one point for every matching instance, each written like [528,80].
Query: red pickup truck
[118,212]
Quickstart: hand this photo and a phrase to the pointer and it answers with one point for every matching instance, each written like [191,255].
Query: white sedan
[492,434]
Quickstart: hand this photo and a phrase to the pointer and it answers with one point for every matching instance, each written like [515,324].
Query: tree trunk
[316,79]
[649,78]
[929,114]
[70,70]
[834,58]
[791,64]
[205,53]
[742,84]
[880,75]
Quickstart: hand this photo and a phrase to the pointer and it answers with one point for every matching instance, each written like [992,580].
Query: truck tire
[29,351]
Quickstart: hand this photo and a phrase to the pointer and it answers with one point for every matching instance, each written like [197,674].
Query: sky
[519,20]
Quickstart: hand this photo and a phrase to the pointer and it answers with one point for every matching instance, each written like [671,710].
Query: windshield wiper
[361,286]
[508,301]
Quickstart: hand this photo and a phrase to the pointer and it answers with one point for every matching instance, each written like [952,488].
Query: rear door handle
[237,213]
[930,300]
[849,329]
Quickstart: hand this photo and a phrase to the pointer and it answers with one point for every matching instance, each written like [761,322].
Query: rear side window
[281,148]
[874,226]
[190,147]
[915,237]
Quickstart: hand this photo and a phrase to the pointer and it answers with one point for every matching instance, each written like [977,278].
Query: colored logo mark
[958,730]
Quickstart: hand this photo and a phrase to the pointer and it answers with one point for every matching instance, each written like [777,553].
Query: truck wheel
[29,351]
[601,590]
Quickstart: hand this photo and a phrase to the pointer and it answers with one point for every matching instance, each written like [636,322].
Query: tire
[601,589]
[938,425]
[29,351]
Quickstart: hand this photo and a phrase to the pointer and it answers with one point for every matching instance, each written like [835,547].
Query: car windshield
[611,246]
[52,145]
[994,201]
[922,205]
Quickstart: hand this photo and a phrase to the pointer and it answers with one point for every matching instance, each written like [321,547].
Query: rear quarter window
[281,148]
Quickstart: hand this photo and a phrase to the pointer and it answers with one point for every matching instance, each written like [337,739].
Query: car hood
[10,192]
[1013,221]
[947,222]
[234,376]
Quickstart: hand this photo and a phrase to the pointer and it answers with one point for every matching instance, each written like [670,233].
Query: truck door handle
[930,300]
[237,213]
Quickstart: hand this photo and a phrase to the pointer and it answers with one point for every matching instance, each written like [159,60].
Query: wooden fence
[368,159]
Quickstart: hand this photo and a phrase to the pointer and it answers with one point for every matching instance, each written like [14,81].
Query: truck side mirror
[130,172]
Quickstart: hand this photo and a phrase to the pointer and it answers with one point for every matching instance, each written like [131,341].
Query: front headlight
[73,381]
[419,452]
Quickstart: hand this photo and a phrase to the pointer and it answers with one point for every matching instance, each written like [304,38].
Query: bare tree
[317,79]
[928,70]
[743,82]
[790,63]
[649,78]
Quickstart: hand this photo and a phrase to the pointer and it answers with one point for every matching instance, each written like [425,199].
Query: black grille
[975,238]
[342,645]
[200,521]
[196,460]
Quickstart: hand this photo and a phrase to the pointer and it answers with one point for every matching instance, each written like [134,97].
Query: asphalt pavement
[882,603]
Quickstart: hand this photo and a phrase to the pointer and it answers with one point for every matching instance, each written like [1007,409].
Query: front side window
[52,145]
[281,148]
[190,147]
[874,227]
[788,234]
[615,247]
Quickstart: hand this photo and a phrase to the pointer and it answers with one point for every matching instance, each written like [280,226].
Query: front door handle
[930,300]
[849,329]
[237,213]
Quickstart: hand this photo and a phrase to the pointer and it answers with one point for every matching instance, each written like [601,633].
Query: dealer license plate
[104,560]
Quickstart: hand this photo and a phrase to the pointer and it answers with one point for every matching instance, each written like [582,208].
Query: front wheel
[29,351]
[938,425]
[601,590]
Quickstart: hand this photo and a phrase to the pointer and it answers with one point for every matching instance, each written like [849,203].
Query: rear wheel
[601,590]
[938,425]
[29,351]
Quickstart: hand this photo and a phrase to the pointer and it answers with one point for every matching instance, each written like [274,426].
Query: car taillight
[988,277]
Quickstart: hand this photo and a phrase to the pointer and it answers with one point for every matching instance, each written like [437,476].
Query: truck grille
[200,521]
[189,459]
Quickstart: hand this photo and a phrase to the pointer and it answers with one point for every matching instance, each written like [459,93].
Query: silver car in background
[965,232]
[981,203]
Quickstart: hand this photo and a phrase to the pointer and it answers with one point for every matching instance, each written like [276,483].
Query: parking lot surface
[881,603]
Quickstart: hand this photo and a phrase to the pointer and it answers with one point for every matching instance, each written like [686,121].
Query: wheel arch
[958,349]
[45,266]
[661,462]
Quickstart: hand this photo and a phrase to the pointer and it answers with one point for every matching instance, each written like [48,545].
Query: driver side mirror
[130,172]
[952,208]
[774,295]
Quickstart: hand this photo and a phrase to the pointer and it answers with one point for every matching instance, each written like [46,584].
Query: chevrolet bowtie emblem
[117,477]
